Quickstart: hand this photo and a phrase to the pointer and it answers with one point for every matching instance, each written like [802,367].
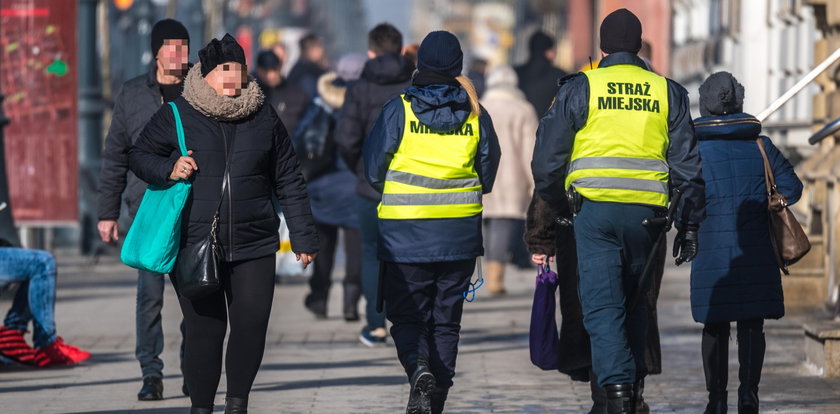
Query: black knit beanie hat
[721,94]
[540,42]
[220,51]
[441,52]
[268,60]
[167,29]
[621,31]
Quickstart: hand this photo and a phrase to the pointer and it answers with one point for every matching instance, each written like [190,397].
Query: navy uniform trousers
[424,302]
[613,246]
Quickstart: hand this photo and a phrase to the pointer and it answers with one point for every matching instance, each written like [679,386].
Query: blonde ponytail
[466,83]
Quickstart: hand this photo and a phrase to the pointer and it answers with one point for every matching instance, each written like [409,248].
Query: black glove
[685,245]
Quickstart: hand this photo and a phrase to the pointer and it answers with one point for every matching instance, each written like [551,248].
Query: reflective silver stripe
[615,183]
[428,182]
[623,163]
[469,197]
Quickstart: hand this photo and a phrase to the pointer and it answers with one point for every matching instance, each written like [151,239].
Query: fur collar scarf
[333,95]
[204,99]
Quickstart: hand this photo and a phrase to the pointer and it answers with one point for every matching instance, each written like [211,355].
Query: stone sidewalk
[320,367]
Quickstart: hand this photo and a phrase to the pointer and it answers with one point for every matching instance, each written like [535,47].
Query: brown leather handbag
[786,235]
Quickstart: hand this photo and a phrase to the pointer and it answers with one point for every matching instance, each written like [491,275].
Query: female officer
[432,154]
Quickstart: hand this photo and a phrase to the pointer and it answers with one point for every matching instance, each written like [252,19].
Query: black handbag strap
[225,183]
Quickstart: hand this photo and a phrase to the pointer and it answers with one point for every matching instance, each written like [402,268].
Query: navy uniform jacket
[568,114]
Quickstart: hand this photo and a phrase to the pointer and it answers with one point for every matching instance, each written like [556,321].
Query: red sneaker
[59,353]
[14,347]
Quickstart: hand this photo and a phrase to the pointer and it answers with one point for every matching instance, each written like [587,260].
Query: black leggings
[248,290]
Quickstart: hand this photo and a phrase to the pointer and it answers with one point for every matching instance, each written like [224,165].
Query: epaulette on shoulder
[565,79]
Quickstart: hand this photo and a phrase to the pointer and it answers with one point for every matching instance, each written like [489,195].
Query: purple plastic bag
[543,340]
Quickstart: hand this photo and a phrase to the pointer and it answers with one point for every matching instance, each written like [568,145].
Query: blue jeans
[369,223]
[613,246]
[35,299]
[148,324]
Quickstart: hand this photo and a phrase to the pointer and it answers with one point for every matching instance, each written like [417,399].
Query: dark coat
[442,108]
[289,100]
[135,104]
[735,276]
[569,114]
[382,79]
[305,74]
[263,163]
[539,80]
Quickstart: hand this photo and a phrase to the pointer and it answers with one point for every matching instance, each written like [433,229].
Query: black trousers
[245,299]
[321,279]
[424,302]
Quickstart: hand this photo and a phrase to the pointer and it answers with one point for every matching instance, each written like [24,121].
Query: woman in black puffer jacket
[222,112]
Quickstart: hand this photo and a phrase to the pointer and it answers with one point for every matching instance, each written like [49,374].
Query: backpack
[314,140]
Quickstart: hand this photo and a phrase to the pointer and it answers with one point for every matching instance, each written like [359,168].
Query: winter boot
[494,277]
[715,351]
[351,302]
[439,399]
[235,405]
[422,386]
[599,395]
[620,399]
[751,347]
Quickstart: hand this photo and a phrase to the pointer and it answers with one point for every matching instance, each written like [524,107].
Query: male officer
[619,138]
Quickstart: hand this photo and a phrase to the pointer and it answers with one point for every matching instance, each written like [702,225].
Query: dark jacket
[289,100]
[305,74]
[539,80]
[556,135]
[735,276]
[332,193]
[442,108]
[263,163]
[382,79]
[135,104]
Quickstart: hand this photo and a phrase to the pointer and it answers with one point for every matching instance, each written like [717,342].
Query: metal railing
[830,129]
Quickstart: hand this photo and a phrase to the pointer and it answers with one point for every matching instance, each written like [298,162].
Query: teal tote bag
[154,238]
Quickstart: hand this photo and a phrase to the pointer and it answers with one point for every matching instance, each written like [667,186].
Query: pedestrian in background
[311,64]
[618,165]
[331,187]
[287,98]
[134,105]
[385,75]
[432,154]
[735,277]
[538,77]
[515,122]
[240,155]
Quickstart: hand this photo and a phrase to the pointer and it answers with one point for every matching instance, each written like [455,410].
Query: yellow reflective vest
[432,175]
[620,155]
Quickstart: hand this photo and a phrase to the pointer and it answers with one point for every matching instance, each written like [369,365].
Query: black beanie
[621,31]
[167,29]
[721,94]
[268,60]
[220,51]
[441,52]
[540,42]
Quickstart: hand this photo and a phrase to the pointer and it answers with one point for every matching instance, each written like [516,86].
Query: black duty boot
[751,347]
[235,405]
[641,406]
[422,386]
[152,389]
[715,352]
[352,293]
[198,410]
[599,395]
[439,399]
[620,399]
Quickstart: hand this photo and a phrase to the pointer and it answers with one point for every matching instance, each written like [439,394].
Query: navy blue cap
[441,52]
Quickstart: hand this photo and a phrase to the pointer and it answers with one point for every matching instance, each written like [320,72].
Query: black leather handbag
[197,269]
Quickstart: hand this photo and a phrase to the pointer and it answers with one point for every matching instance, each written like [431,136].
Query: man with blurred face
[311,64]
[287,98]
[134,105]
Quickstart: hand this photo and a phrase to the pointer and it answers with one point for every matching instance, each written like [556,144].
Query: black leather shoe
[620,399]
[197,410]
[422,385]
[152,389]
[185,390]
[235,405]
[317,306]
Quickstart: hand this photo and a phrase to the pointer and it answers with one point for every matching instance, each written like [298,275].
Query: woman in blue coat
[735,277]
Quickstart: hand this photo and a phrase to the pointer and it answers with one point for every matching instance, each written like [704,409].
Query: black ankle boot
[751,347]
[235,405]
[422,385]
[641,406]
[197,410]
[439,399]
[599,395]
[715,351]
[620,399]
[352,293]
